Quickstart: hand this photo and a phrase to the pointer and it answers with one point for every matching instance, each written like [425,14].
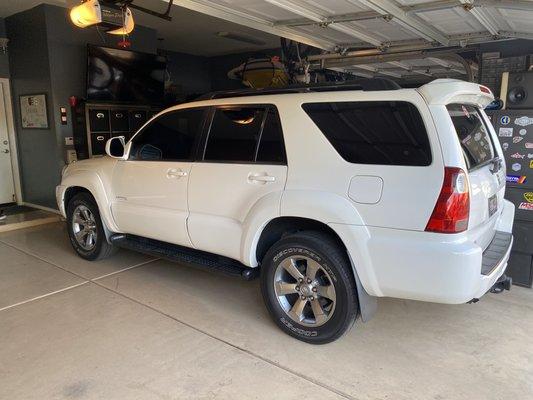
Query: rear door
[243,163]
[486,169]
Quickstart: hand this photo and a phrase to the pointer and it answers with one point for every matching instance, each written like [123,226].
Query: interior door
[150,188]
[244,163]
[7,188]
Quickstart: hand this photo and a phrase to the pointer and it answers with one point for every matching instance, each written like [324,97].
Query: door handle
[262,178]
[176,173]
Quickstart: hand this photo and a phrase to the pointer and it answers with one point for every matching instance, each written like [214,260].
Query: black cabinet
[95,123]
[520,268]
[98,141]
[120,120]
[99,120]
[137,119]
[514,129]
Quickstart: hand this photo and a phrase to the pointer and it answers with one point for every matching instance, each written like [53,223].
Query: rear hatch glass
[473,135]
[485,173]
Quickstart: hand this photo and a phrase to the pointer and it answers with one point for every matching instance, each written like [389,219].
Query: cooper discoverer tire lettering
[308,287]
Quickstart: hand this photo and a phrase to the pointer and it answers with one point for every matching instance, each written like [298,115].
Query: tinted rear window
[472,133]
[271,148]
[246,134]
[376,132]
[234,134]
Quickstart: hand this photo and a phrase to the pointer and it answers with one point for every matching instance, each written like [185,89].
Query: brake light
[485,89]
[451,212]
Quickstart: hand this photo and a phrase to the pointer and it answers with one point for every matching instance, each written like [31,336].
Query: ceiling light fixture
[116,19]
[240,38]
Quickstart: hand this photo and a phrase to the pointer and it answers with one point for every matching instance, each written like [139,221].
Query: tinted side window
[234,134]
[271,147]
[171,136]
[374,132]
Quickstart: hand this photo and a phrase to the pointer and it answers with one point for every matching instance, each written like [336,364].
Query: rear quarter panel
[409,193]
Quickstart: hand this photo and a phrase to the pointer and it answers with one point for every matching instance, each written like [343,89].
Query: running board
[196,258]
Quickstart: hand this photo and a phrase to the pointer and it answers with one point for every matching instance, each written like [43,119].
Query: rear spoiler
[447,91]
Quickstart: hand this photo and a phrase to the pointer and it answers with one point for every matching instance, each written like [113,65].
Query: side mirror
[115,147]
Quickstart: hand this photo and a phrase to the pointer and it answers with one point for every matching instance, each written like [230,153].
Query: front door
[150,187]
[7,188]
[244,163]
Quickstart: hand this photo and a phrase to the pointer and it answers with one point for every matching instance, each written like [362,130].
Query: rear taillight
[484,89]
[450,214]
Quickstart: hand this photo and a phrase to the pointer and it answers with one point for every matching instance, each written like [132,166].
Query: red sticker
[526,206]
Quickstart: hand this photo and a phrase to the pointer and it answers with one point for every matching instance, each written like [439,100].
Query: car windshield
[472,133]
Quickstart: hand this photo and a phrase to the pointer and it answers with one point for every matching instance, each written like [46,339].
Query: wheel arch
[72,191]
[279,227]
[89,182]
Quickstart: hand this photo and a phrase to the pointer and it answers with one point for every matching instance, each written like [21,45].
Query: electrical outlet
[69,141]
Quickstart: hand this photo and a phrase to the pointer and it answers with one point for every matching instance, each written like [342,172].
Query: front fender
[91,181]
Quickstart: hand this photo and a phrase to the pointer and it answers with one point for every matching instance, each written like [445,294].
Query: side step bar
[196,258]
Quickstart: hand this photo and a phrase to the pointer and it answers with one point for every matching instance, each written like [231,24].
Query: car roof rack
[367,85]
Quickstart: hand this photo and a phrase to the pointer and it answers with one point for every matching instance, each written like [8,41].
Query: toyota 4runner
[337,195]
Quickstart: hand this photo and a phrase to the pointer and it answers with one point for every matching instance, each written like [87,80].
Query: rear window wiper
[496,164]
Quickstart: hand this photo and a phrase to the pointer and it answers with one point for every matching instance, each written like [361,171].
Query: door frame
[6,86]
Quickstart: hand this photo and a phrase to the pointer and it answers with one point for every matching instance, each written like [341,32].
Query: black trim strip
[495,252]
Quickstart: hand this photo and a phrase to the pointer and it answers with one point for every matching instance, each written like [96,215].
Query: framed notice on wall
[33,111]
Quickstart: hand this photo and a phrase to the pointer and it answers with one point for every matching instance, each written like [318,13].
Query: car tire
[309,288]
[85,228]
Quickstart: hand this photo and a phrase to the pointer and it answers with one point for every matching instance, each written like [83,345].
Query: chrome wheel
[84,227]
[305,291]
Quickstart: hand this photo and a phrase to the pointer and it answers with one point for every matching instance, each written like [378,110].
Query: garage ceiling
[387,26]
[380,23]
[189,31]
[381,27]
[201,34]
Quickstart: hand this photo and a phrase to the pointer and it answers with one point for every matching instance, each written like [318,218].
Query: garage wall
[4,60]
[48,55]
[67,55]
[512,48]
[190,74]
[30,73]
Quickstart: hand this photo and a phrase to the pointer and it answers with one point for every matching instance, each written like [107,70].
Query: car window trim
[489,134]
[430,145]
[209,123]
[258,143]
[197,139]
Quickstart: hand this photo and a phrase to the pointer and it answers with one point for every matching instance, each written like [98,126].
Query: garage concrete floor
[131,327]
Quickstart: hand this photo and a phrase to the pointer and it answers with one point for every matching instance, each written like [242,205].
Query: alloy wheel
[84,227]
[305,291]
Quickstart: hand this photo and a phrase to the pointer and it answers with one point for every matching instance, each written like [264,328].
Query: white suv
[340,195]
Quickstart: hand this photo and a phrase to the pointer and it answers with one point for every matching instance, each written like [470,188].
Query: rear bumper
[497,250]
[494,261]
[422,265]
